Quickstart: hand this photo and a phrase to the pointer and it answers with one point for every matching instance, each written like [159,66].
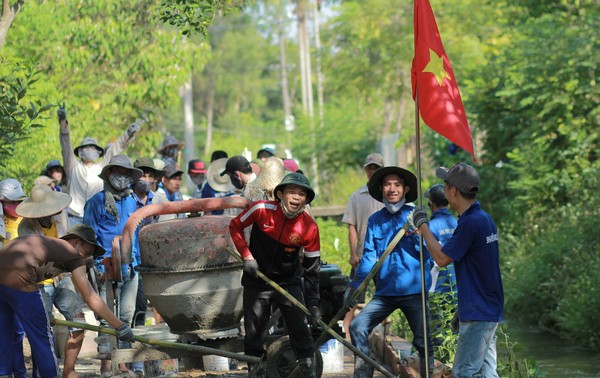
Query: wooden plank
[327,211]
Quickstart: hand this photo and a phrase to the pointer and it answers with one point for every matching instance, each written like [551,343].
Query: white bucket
[332,352]
[215,363]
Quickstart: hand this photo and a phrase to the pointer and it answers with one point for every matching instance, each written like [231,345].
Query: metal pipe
[161,343]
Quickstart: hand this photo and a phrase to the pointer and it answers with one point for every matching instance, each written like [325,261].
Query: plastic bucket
[215,363]
[332,352]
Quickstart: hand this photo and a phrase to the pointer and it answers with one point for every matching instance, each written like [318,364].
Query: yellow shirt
[11,226]
[50,232]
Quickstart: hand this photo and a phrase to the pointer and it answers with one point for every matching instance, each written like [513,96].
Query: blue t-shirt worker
[474,250]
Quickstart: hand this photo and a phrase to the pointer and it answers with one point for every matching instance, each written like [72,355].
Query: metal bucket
[188,275]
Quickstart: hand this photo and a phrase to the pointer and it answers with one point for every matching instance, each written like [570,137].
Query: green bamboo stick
[161,343]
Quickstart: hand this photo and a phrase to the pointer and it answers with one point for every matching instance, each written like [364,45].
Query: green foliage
[19,110]
[509,365]
[196,16]
[110,61]
[334,243]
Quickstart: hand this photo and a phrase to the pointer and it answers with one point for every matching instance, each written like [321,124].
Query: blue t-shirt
[400,273]
[442,226]
[106,226]
[209,192]
[474,249]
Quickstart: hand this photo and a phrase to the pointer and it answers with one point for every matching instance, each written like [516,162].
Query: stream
[555,357]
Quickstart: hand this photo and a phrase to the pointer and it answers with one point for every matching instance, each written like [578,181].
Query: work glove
[251,268]
[135,127]
[348,302]
[124,333]
[61,112]
[420,217]
[315,315]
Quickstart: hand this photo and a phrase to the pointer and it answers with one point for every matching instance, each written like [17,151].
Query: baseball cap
[171,170]
[436,195]
[237,163]
[374,158]
[268,151]
[196,166]
[11,190]
[462,176]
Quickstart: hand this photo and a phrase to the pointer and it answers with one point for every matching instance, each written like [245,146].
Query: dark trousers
[257,311]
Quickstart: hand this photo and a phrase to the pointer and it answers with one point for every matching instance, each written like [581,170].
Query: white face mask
[394,207]
[198,180]
[88,154]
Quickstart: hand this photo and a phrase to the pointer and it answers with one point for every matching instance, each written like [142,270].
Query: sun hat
[43,202]
[410,180]
[436,195]
[89,141]
[297,179]
[462,176]
[44,180]
[11,190]
[215,177]
[237,163]
[122,161]
[87,234]
[171,170]
[270,175]
[374,158]
[196,166]
[169,141]
[145,162]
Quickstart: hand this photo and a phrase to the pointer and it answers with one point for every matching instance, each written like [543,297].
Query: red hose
[192,205]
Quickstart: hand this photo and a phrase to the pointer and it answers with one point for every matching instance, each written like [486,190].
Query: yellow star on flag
[436,67]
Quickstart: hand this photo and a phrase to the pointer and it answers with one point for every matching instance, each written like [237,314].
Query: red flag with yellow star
[434,84]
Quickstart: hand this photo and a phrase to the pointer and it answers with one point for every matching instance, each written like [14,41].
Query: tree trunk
[188,122]
[8,16]
[210,109]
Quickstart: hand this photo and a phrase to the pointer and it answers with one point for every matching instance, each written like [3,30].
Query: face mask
[88,154]
[198,180]
[288,214]
[394,207]
[237,183]
[45,222]
[10,209]
[171,151]
[142,186]
[119,182]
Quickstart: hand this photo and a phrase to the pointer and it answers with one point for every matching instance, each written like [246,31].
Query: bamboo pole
[160,343]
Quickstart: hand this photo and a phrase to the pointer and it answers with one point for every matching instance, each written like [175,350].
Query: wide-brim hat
[297,179]
[270,175]
[88,235]
[215,180]
[89,141]
[43,202]
[44,180]
[410,180]
[169,141]
[123,162]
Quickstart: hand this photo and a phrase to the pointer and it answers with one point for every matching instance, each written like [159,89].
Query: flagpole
[420,204]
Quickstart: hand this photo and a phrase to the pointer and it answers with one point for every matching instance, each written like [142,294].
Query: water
[557,358]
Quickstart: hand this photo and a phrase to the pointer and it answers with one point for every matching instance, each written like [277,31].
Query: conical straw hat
[215,180]
[270,175]
[43,202]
